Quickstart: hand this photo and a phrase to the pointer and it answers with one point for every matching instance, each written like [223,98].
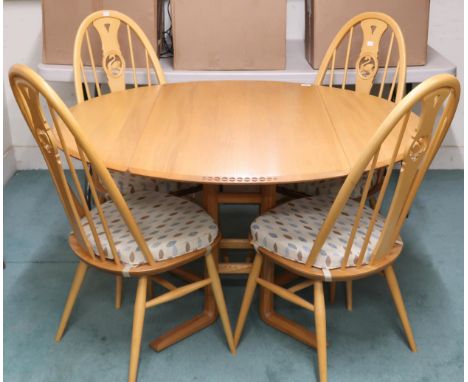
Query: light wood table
[237,133]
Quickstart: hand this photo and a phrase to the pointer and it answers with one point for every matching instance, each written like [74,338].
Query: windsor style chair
[106,44]
[142,235]
[371,43]
[109,42]
[326,239]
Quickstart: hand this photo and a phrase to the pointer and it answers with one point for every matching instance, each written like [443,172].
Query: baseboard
[9,164]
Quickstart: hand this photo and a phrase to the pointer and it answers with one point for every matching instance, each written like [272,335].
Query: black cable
[167,46]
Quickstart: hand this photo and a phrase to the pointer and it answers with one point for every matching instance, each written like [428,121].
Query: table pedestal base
[267,313]
[210,313]
[276,320]
[184,330]
[291,328]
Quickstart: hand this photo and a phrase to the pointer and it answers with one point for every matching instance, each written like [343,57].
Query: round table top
[234,132]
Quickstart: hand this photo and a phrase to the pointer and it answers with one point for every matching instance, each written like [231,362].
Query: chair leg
[320,329]
[372,202]
[150,289]
[118,291]
[138,320]
[400,306]
[219,298]
[74,290]
[349,295]
[248,295]
[332,292]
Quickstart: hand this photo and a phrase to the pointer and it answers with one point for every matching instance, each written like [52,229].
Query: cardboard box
[324,18]
[229,34]
[61,19]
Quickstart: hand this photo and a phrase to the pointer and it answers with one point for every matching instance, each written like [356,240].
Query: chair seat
[171,226]
[129,183]
[290,230]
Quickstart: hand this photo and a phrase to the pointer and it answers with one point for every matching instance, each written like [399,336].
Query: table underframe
[212,197]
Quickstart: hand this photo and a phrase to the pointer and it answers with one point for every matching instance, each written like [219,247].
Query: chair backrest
[437,99]
[376,35]
[55,129]
[110,42]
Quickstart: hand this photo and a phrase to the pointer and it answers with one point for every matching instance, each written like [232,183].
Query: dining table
[235,133]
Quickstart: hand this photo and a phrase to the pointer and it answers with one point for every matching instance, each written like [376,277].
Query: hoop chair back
[61,131]
[109,42]
[437,99]
[382,46]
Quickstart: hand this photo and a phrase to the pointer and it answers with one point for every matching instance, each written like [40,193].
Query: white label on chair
[106,13]
[370,43]
[306,84]
[126,269]
[326,274]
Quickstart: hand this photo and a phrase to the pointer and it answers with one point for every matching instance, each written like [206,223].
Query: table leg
[210,202]
[267,312]
[209,314]
[266,297]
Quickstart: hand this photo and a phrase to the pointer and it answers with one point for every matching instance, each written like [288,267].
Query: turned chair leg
[320,329]
[248,295]
[349,295]
[118,291]
[332,292]
[400,306]
[219,298]
[150,289]
[74,290]
[138,320]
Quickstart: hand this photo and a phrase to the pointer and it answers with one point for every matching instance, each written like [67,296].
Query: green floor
[365,345]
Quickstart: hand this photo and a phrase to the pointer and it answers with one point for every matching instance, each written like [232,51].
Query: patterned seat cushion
[129,183]
[290,230]
[326,187]
[172,227]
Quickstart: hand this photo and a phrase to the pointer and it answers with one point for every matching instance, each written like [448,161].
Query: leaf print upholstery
[328,187]
[171,226]
[129,183]
[290,230]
